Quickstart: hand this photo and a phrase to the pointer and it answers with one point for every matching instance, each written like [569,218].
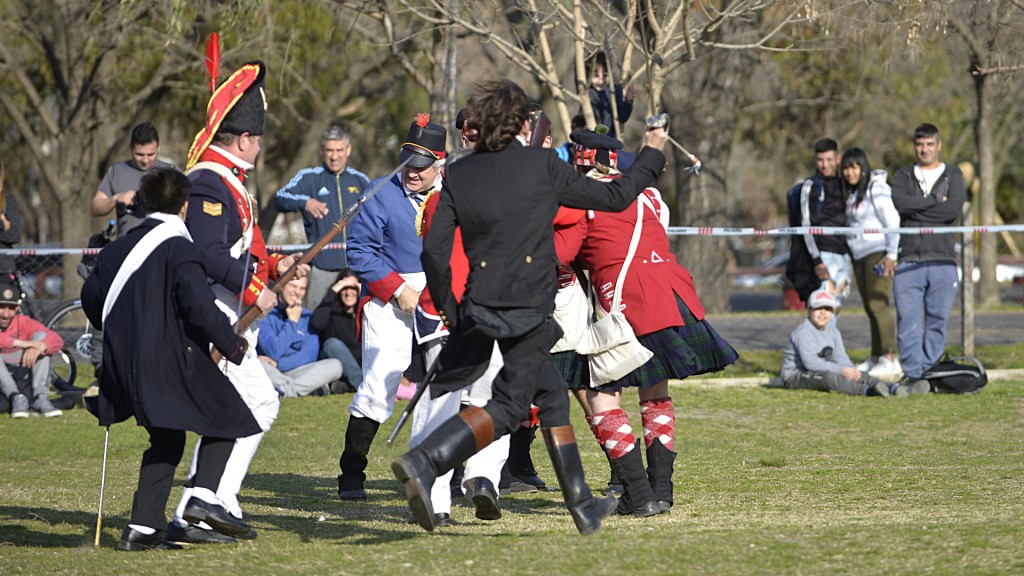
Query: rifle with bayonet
[253,312]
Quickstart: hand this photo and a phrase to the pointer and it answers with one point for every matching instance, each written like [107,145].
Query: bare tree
[992,34]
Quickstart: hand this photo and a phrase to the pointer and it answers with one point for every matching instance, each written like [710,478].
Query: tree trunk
[702,104]
[988,287]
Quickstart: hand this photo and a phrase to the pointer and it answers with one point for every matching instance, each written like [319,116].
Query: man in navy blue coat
[150,297]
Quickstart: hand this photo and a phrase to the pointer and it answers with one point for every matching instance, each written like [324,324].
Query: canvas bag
[611,347]
[960,375]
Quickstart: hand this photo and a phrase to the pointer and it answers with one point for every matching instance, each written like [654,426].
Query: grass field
[768,482]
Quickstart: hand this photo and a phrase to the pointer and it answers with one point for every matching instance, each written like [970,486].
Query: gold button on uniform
[483,264]
[529,259]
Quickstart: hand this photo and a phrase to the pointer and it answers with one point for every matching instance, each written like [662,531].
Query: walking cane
[103,482]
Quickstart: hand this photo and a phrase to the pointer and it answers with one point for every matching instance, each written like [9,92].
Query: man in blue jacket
[384,251]
[323,194]
[288,347]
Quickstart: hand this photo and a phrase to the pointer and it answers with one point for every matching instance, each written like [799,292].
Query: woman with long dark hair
[869,205]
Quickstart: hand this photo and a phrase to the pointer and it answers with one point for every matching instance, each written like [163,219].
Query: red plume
[422,118]
[213,59]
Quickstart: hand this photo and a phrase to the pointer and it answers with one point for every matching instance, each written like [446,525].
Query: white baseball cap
[821,298]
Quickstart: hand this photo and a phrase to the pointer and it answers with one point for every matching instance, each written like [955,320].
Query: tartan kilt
[679,351]
[574,369]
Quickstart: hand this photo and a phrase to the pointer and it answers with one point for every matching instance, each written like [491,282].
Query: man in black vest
[504,197]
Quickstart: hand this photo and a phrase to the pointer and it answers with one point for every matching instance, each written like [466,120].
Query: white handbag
[612,348]
[572,314]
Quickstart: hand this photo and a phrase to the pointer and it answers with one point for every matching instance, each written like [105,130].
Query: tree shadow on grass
[35,527]
[308,499]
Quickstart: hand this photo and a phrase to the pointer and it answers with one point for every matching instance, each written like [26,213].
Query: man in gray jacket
[927,194]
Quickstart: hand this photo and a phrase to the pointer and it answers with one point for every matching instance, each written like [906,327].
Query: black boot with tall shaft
[452,442]
[358,437]
[587,510]
[638,498]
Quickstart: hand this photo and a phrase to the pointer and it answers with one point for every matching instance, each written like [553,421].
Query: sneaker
[879,389]
[19,406]
[406,391]
[866,366]
[908,386]
[43,405]
[886,369]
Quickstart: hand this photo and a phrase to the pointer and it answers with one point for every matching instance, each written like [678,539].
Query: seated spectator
[26,346]
[334,320]
[288,348]
[815,358]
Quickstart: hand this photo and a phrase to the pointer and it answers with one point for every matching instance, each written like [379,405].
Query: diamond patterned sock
[659,421]
[614,432]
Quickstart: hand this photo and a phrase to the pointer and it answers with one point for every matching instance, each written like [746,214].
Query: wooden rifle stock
[540,128]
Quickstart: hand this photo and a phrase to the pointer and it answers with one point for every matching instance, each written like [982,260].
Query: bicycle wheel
[81,343]
[63,370]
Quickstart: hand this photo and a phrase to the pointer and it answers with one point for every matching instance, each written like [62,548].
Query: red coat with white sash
[654,277]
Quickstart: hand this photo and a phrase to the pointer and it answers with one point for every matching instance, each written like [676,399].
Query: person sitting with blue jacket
[288,347]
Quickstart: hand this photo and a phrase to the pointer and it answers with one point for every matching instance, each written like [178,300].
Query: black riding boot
[587,510]
[638,497]
[520,464]
[358,438]
[452,442]
[660,461]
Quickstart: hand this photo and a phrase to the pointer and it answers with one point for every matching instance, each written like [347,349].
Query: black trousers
[528,376]
[156,474]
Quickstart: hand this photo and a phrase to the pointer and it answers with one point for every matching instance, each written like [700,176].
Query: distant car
[769,273]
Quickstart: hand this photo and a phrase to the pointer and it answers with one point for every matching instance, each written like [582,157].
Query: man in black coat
[504,198]
[150,297]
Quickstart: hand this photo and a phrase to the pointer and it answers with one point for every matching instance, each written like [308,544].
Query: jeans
[351,370]
[840,269]
[924,293]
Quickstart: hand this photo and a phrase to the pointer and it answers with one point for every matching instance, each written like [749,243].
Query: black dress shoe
[441,520]
[250,535]
[134,541]
[215,515]
[196,535]
[532,480]
[485,498]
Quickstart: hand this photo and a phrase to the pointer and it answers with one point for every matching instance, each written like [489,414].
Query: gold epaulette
[420,211]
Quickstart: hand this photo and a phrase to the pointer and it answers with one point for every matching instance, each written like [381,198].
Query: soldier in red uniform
[660,303]
[222,221]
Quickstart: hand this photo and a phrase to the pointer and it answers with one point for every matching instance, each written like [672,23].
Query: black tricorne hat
[593,148]
[425,143]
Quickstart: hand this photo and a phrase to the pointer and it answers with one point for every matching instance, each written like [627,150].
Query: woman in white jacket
[869,205]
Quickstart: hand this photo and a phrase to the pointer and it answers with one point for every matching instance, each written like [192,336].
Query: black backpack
[959,375]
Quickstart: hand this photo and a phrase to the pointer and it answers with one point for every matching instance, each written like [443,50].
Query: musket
[431,372]
[253,312]
[540,127]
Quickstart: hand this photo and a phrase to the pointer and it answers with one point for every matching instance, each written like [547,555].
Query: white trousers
[429,414]
[254,386]
[387,353]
